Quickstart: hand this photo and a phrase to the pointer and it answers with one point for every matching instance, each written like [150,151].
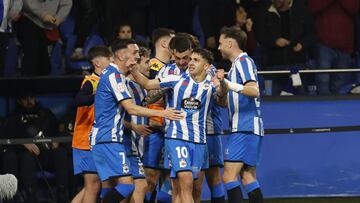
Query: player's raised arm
[144,81]
[250,89]
[221,88]
[133,109]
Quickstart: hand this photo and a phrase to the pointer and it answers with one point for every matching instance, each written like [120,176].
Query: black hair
[237,34]
[97,51]
[195,43]
[180,44]
[121,44]
[206,54]
[161,32]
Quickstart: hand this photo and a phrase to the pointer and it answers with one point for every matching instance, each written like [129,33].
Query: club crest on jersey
[121,87]
[182,163]
[125,168]
[190,104]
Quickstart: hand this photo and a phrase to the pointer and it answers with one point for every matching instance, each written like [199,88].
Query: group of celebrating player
[145,123]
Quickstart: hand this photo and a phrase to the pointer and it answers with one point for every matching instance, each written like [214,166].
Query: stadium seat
[80,66]
[11,59]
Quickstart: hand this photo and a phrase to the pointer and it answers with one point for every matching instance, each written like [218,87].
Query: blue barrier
[299,165]
[312,164]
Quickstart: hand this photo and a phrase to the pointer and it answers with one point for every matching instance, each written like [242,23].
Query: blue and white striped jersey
[213,121]
[135,142]
[195,100]
[169,69]
[244,111]
[109,114]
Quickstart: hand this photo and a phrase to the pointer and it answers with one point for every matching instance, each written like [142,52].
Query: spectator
[31,120]
[10,12]
[335,27]
[117,12]
[213,16]
[86,18]
[244,22]
[124,32]
[39,25]
[285,31]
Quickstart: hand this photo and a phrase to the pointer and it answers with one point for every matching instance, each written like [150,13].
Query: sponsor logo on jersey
[191,104]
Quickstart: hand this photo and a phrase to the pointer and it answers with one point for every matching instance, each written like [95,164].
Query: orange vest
[84,118]
[156,64]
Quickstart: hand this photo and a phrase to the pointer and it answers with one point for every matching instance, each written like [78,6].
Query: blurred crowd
[40,37]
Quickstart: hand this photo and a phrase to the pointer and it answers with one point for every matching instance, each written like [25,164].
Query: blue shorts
[136,167]
[185,156]
[153,156]
[111,160]
[243,147]
[83,161]
[216,153]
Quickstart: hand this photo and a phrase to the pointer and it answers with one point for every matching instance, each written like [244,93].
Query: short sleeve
[118,87]
[169,81]
[247,69]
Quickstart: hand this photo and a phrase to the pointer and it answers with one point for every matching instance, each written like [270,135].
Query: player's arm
[250,89]
[85,96]
[144,81]
[154,95]
[133,109]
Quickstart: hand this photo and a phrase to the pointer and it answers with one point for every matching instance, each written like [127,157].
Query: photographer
[31,120]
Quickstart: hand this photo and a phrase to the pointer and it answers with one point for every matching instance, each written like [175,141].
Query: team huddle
[149,130]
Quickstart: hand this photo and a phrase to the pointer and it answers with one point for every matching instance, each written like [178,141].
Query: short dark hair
[161,32]
[206,54]
[195,43]
[97,51]
[144,51]
[180,44]
[237,34]
[121,44]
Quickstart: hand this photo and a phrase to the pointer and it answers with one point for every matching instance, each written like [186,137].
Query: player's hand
[132,68]
[32,148]
[131,63]
[220,74]
[143,130]
[282,42]
[173,114]
[298,47]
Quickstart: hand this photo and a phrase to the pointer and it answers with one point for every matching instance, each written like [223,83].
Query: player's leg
[216,161]
[152,177]
[77,166]
[139,192]
[175,191]
[164,194]
[198,186]
[137,171]
[153,146]
[213,178]
[235,153]
[92,187]
[111,161]
[248,172]
[186,186]
[123,190]
[251,185]
[79,196]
